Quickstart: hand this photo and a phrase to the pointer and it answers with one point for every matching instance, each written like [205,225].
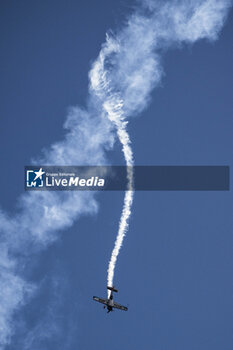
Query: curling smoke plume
[129,67]
[113,105]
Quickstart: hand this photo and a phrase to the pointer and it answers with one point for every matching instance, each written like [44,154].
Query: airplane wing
[102,301]
[119,306]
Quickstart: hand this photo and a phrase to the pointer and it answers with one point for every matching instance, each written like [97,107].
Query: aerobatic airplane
[110,303]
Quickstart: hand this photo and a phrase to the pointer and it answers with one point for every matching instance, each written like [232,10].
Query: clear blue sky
[175,268]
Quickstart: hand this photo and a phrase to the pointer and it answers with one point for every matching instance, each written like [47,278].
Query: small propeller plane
[110,303]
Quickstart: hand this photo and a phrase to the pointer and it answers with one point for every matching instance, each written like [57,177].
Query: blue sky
[174,271]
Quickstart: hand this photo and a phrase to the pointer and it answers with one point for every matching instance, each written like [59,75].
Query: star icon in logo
[39,174]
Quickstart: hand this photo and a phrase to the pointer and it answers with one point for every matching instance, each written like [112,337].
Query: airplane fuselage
[110,303]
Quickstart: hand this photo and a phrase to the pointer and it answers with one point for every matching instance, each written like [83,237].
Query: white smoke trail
[128,68]
[113,105]
[123,135]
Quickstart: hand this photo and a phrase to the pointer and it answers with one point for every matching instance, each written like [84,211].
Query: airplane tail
[112,289]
